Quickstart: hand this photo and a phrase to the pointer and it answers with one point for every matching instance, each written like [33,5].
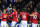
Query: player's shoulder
[32,12]
[6,13]
[27,12]
[21,12]
[37,13]
[15,11]
[1,13]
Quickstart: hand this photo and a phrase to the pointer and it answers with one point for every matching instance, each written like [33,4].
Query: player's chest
[4,14]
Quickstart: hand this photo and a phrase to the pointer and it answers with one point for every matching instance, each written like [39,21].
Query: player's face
[35,10]
[4,11]
[14,9]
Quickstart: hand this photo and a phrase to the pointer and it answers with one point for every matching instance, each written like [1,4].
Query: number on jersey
[35,17]
[24,17]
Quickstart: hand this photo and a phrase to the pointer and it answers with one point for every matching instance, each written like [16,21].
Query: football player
[35,18]
[24,16]
[4,19]
[14,17]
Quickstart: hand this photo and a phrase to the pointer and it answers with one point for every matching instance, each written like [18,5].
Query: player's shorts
[34,25]
[13,23]
[3,23]
[23,24]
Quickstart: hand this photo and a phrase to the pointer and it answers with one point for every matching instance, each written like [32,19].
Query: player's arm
[11,15]
[19,16]
[29,14]
[8,17]
[32,14]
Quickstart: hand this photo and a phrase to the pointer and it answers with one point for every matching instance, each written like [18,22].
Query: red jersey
[35,18]
[14,14]
[39,17]
[24,15]
[8,17]
[4,16]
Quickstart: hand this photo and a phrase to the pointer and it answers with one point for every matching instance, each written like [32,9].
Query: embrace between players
[24,15]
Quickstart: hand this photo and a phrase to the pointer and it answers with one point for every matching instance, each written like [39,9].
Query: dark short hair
[35,9]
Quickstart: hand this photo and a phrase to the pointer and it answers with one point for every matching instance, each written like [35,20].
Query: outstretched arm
[31,14]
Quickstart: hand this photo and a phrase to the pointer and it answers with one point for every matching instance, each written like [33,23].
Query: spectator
[14,0]
[10,11]
[11,1]
[39,11]
[30,2]
[4,0]
[0,4]
[31,8]
[0,12]
[3,6]
[6,4]
[9,8]
[38,6]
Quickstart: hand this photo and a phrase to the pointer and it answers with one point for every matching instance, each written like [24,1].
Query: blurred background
[20,5]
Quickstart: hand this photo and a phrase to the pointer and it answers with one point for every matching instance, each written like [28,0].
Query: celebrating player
[35,18]
[4,19]
[14,17]
[24,16]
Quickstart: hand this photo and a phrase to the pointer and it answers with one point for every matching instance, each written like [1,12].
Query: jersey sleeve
[32,13]
[15,14]
[8,17]
[28,14]
[39,17]
[19,15]
[11,14]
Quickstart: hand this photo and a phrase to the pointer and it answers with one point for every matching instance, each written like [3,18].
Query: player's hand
[35,13]
[32,15]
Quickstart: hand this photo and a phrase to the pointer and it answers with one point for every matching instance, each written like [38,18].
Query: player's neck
[15,10]
[35,12]
[3,12]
